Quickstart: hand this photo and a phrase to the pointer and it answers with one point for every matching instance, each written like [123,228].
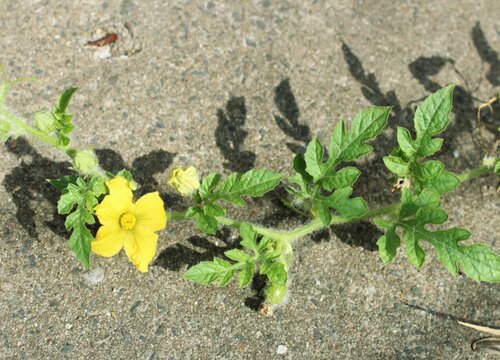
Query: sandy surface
[226,87]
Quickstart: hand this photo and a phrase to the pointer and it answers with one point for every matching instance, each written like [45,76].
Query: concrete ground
[225,86]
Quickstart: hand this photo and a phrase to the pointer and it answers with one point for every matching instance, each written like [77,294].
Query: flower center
[127,221]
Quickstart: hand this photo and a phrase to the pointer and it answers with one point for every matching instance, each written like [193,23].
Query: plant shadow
[27,182]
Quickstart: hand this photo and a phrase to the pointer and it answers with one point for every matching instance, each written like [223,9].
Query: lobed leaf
[252,183]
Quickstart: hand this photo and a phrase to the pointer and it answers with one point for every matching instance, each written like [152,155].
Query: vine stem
[316,224]
[474,173]
[290,235]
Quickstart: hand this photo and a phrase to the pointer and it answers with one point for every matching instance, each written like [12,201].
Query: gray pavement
[225,86]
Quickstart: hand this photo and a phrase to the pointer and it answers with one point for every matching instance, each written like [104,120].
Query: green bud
[85,162]
[275,293]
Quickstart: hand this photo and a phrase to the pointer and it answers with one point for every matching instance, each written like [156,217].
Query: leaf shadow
[27,182]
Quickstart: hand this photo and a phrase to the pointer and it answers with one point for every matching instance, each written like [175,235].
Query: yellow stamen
[127,221]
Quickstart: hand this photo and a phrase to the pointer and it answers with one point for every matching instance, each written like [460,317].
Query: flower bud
[85,162]
[184,181]
[275,293]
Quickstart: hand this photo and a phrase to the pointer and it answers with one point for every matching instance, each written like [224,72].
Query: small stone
[94,276]
[281,350]
[456,154]
[68,326]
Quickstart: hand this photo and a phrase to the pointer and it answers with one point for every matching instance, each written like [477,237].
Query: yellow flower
[184,181]
[128,224]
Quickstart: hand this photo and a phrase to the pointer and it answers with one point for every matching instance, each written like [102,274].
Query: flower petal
[141,248]
[119,186]
[116,203]
[111,208]
[150,212]
[108,241]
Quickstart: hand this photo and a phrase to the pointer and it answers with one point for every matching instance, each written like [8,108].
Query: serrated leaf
[345,177]
[66,203]
[252,183]
[62,183]
[321,210]
[476,261]
[388,245]
[405,141]
[299,166]
[429,169]
[44,122]
[97,185]
[246,274]
[413,251]
[124,173]
[275,272]
[397,165]
[207,272]
[213,210]
[249,237]
[365,126]
[431,118]
[206,223]
[263,243]
[313,158]
[192,212]
[383,224]
[79,243]
[237,255]
[208,184]
[65,98]
[228,275]
[442,183]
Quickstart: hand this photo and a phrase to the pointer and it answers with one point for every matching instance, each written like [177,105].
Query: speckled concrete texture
[225,86]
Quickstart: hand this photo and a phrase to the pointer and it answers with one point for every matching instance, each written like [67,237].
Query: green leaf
[97,185]
[213,210]
[429,169]
[383,224]
[263,244]
[237,255]
[442,183]
[405,142]
[275,271]
[208,184]
[252,183]
[79,243]
[66,203]
[397,165]
[414,252]
[44,122]
[65,98]
[340,201]
[476,261]
[345,177]
[124,173]
[206,223]
[80,239]
[365,126]
[62,183]
[206,272]
[388,245]
[246,274]
[314,160]
[249,238]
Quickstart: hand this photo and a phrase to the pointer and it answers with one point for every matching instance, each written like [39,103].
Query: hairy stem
[474,173]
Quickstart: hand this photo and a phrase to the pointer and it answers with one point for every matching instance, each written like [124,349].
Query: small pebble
[68,326]
[281,350]
[456,154]
[94,276]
